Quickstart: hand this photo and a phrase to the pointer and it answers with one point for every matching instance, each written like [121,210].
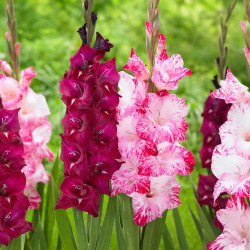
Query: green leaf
[42,236]
[168,243]
[179,230]
[93,227]
[107,225]
[207,231]
[197,223]
[63,222]
[49,221]
[118,227]
[81,237]
[16,244]
[153,233]
[131,230]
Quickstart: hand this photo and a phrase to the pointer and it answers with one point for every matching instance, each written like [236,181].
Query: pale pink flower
[129,143]
[34,197]
[235,219]
[168,71]
[10,92]
[127,180]
[232,171]
[132,92]
[5,67]
[26,77]
[164,194]
[172,159]
[235,133]
[33,104]
[137,67]
[164,119]
[232,91]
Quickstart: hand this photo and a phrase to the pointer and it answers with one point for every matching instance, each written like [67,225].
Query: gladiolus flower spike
[149,128]
[13,203]
[89,143]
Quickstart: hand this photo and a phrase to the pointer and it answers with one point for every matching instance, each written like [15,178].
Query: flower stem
[152,32]
[11,37]
[221,60]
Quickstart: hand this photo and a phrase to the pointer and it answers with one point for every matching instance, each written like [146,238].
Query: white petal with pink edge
[127,180]
[232,91]
[164,119]
[164,194]
[172,159]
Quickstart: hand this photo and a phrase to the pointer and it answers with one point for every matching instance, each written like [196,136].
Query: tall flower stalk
[89,143]
[231,162]
[35,130]
[151,122]
[215,114]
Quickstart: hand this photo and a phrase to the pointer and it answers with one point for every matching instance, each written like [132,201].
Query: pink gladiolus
[5,67]
[150,124]
[232,91]
[13,203]
[235,219]
[17,49]
[137,67]
[231,159]
[35,129]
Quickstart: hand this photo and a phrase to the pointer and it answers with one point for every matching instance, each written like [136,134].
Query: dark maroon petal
[107,73]
[69,87]
[13,185]
[70,150]
[83,33]
[205,189]
[101,43]
[85,56]
[9,120]
[206,156]
[104,99]
[5,238]
[101,182]
[90,205]
[105,132]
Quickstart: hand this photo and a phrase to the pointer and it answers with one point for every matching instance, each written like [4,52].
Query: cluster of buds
[89,144]
[150,126]
[13,203]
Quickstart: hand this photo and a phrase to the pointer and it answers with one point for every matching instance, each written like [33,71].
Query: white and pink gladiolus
[231,165]
[35,128]
[150,126]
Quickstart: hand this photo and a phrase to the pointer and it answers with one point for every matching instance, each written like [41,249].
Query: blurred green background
[48,38]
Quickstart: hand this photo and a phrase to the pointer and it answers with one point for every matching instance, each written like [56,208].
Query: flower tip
[7,36]
[243,26]
[17,48]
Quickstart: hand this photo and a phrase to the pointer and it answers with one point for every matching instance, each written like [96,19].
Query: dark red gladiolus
[13,203]
[89,144]
[215,114]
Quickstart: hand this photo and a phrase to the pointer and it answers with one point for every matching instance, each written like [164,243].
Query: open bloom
[35,127]
[13,203]
[149,128]
[89,144]
[235,219]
